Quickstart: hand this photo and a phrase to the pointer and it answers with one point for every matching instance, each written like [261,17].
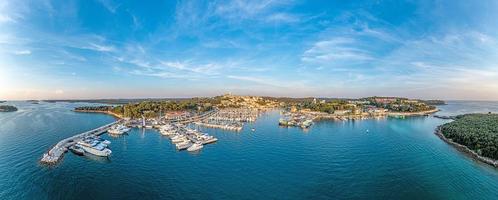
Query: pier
[56,153]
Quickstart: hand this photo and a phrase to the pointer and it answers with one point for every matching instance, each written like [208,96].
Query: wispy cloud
[22,52]
[101,48]
[110,5]
[336,50]
[5,18]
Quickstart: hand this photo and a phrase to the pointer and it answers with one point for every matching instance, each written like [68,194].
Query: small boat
[76,149]
[178,139]
[183,145]
[195,147]
[118,130]
[253,129]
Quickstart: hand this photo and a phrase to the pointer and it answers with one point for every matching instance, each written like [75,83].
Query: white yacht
[98,149]
[167,130]
[183,145]
[118,130]
[178,139]
[195,147]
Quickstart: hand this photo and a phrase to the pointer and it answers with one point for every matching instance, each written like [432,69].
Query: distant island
[474,134]
[114,101]
[33,101]
[2,101]
[7,108]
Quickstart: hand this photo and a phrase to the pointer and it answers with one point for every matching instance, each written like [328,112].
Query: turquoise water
[396,159]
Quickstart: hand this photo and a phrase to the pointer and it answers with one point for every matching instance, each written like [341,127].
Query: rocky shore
[465,149]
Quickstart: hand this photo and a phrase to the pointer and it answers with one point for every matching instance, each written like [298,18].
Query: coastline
[466,150]
[427,112]
[102,112]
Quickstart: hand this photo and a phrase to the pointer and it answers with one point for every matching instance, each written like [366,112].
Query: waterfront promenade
[57,151]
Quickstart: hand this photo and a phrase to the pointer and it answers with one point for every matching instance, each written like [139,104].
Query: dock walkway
[57,151]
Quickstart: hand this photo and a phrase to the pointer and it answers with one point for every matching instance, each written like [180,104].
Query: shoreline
[102,112]
[464,149]
[427,112]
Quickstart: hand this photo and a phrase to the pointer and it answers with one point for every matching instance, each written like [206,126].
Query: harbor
[180,129]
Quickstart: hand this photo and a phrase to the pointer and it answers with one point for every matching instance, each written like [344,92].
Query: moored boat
[98,150]
[183,145]
[76,149]
[195,147]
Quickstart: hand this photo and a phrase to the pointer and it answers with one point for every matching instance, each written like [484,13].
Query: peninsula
[474,134]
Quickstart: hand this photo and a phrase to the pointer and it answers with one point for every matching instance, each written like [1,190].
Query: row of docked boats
[236,115]
[186,138]
[93,145]
[226,125]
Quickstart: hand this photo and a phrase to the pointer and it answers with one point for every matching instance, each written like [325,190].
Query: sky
[86,49]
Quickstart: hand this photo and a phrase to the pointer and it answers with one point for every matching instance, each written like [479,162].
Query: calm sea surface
[395,159]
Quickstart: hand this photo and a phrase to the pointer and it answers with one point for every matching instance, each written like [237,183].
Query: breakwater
[55,154]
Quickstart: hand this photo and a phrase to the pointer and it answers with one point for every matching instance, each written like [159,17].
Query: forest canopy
[479,132]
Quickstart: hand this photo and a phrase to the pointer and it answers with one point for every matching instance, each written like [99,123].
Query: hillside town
[303,113]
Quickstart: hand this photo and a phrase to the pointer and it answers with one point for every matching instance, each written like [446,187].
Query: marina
[89,142]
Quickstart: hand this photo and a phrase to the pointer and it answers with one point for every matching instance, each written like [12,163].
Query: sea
[363,159]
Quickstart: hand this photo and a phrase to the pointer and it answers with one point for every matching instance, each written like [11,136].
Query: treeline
[434,102]
[406,107]
[402,105]
[151,109]
[94,108]
[479,132]
[327,107]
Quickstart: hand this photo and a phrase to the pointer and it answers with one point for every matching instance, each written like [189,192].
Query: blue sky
[131,49]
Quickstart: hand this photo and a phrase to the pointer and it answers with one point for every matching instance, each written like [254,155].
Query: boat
[98,150]
[76,149]
[306,124]
[183,145]
[106,142]
[178,139]
[167,130]
[195,147]
[253,129]
[118,130]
